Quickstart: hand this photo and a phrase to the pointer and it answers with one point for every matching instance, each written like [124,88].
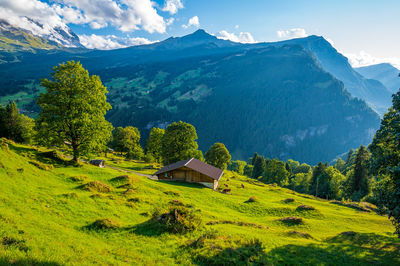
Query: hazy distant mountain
[368,89]
[387,74]
[276,99]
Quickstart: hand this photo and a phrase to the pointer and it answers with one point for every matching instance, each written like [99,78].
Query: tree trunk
[75,151]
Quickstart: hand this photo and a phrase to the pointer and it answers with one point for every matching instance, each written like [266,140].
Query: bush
[305,208]
[291,220]
[172,193]
[289,200]
[252,199]
[180,220]
[123,180]
[97,186]
[10,242]
[79,178]
[299,234]
[42,166]
[104,224]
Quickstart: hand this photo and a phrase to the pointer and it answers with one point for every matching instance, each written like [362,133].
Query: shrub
[42,166]
[289,200]
[305,208]
[136,200]
[104,224]
[97,186]
[291,220]
[180,220]
[299,234]
[20,170]
[79,178]
[123,180]
[253,199]
[9,242]
[172,193]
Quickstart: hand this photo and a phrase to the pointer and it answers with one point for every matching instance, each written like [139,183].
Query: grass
[47,218]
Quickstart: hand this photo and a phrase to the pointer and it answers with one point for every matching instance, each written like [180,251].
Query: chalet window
[165,174]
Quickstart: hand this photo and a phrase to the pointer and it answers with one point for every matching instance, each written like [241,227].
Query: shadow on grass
[340,250]
[149,228]
[24,262]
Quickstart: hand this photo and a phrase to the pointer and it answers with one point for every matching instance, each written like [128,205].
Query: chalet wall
[188,175]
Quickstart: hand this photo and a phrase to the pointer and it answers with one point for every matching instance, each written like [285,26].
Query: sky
[366,31]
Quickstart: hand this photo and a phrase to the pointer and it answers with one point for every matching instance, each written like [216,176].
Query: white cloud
[236,26]
[292,33]
[243,37]
[125,15]
[365,59]
[194,21]
[108,42]
[172,6]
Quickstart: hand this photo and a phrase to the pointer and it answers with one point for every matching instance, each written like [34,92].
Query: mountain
[277,100]
[13,39]
[385,73]
[370,90]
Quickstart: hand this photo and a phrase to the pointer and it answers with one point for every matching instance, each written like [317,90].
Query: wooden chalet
[193,171]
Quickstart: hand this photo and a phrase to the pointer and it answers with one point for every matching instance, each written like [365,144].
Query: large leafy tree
[179,143]
[385,162]
[127,140]
[276,172]
[259,166]
[218,156]
[154,143]
[73,109]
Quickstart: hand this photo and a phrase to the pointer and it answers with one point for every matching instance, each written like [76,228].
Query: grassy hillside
[48,216]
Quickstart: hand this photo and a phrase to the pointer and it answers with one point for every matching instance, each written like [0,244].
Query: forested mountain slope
[272,98]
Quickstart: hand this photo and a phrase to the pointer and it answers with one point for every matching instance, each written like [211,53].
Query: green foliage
[259,166]
[248,170]
[154,143]
[180,220]
[238,166]
[15,126]
[340,165]
[359,183]
[327,182]
[73,109]
[385,149]
[301,182]
[276,172]
[218,156]
[179,143]
[127,140]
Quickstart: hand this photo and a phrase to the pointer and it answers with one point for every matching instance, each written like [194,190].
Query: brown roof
[194,164]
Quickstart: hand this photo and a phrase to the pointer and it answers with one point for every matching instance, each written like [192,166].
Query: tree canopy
[15,126]
[73,109]
[179,143]
[154,143]
[218,156]
[128,140]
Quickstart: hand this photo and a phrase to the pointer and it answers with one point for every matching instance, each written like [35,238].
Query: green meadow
[54,213]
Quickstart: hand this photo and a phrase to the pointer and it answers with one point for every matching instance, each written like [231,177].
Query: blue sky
[364,30]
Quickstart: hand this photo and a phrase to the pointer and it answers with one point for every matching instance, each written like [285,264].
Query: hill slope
[385,73]
[47,217]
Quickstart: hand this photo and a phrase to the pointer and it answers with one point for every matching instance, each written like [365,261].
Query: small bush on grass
[136,200]
[42,166]
[10,242]
[289,200]
[299,234]
[97,186]
[291,220]
[180,220]
[172,193]
[104,224]
[72,195]
[305,208]
[123,180]
[252,199]
[79,178]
